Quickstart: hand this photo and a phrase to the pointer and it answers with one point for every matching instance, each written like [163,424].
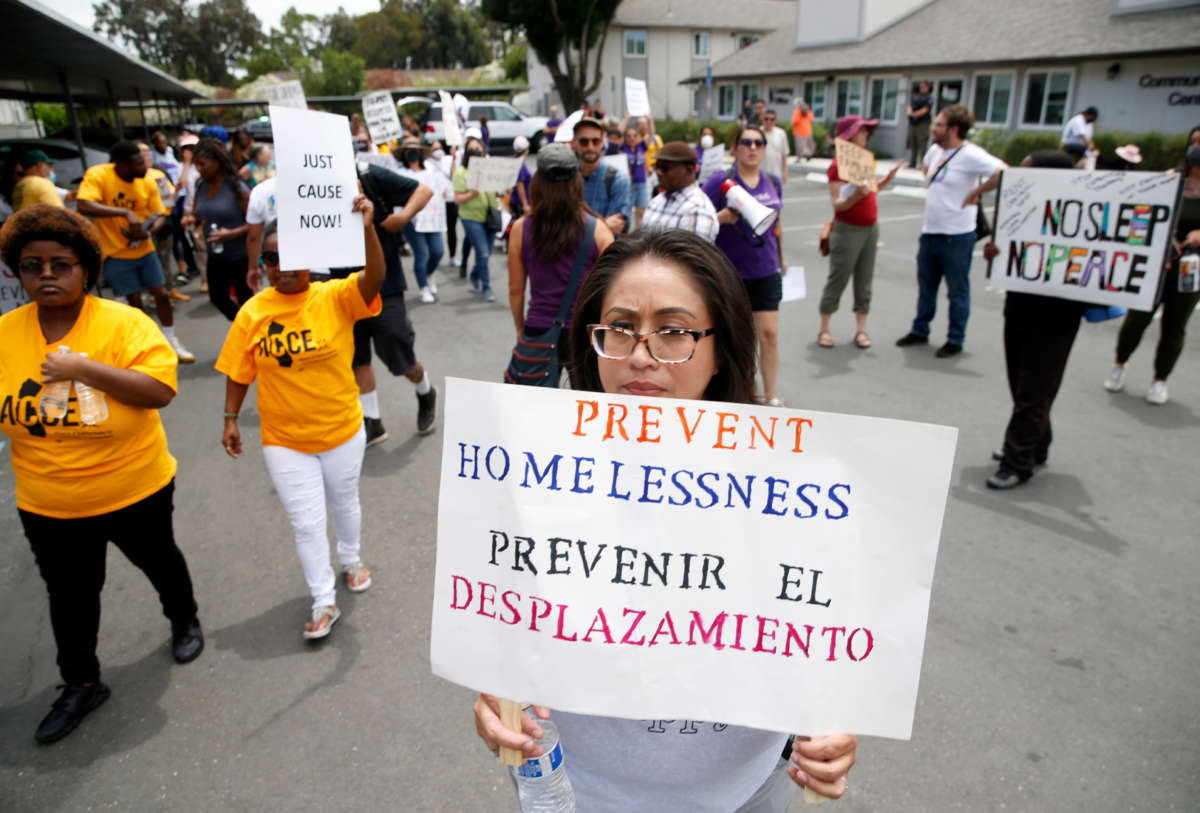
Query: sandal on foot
[862,340]
[825,339]
[323,619]
[358,578]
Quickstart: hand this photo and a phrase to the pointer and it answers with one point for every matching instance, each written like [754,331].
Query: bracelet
[231,414]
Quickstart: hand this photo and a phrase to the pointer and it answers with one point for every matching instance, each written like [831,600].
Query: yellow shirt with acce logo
[63,468]
[101,184]
[300,348]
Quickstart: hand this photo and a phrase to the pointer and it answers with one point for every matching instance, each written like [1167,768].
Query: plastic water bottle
[542,782]
[1189,273]
[55,395]
[93,409]
[213,246]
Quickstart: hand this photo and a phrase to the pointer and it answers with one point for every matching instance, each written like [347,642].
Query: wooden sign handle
[510,717]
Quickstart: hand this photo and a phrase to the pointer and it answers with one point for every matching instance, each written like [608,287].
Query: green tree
[515,65]
[432,33]
[340,31]
[568,38]
[334,73]
[299,37]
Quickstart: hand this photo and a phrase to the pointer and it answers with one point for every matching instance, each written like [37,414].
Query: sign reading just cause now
[638,557]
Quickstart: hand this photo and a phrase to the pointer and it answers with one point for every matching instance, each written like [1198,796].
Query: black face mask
[469,153]
[361,146]
[412,157]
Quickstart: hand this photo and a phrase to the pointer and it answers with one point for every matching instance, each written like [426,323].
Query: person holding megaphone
[748,202]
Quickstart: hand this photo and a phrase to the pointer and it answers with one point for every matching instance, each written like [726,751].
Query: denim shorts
[641,194]
[127,277]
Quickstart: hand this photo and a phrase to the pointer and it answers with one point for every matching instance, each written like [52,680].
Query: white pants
[304,483]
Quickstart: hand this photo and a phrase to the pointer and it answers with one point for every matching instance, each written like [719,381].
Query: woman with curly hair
[84,480]
[219,207]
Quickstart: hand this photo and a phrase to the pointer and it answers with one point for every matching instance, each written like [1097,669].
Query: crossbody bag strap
[943,165]
[589,231]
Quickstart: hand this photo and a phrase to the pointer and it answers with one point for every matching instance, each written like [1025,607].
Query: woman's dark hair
[256,151]
[556,208]
[743,129]
[213,150]
[720,287]
[46,222]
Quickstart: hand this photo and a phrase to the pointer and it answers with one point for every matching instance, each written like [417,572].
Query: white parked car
[504,123]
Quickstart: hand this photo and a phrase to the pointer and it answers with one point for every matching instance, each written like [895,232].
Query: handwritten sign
[712,161]
[1097,237]
[314,160]
[652,558]
[12,293]
[287,94]
[450,126]
[382,121]
[855,164]
[637,99]
[490,174]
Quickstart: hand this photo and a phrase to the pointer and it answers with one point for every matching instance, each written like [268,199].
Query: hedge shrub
[1159,151]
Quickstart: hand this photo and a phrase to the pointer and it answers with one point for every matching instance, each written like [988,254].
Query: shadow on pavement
[832,361]
[387,461]
[200,369]
[1171,415]
[921,357]
[1053,489]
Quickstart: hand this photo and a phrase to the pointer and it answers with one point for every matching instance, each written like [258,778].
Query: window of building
[747,39]
[635,43]
[1047,94]
[726,102]
[750,92]
[993,97]
[700,43]
[814,96]
[849,97]
[885,98]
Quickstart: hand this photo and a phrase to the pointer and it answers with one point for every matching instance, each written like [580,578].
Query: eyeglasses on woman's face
[752,143]
[59,266]
[666,345]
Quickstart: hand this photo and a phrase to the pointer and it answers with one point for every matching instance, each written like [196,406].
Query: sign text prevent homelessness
[653,558]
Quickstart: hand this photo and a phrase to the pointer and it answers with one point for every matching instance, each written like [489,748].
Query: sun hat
[1130,153]
[847,126]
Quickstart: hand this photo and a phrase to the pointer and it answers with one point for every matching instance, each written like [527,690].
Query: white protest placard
[383,123]
[450,126]
[637,99]
[566,130]
[618,162]
[855,164]
[12,293]
[489,174]
[794,285]
[712,161]
[318,181]
[662,559]
[287,94]
[1097,237]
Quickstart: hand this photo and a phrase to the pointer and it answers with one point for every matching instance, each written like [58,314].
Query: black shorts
[765,292]
[392,332]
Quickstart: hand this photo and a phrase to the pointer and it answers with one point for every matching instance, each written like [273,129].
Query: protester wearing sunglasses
[605,188]
[755,257]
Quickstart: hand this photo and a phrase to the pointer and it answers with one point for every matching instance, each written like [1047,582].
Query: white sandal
[353,583]
[319,614]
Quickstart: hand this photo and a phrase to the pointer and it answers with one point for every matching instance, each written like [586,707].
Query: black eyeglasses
[59,267]
[753,142]
[667,345]
[269,258]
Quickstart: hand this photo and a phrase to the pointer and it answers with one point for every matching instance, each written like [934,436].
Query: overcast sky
[267,11]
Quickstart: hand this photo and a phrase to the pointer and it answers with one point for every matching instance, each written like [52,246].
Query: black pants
[1177,309]
[1038,334]
[223,273]
[451,229]
[71,555]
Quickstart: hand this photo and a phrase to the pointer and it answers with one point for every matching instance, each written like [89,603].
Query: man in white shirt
[1077,134]
[681,204]
[260,210]
[954,167]
[775,160]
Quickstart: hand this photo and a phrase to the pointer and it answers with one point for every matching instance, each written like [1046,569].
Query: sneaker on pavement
[427,411]
[910,339]
[376,434]
[76,702]
[187,641]
[185,355]
[427,296]
[948,349]
[1158,393]
[1116,379]
[489,295]
[178,296]
[432,284]
[1005,479]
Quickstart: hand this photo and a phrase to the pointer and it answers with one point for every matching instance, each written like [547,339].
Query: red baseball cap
[849,125]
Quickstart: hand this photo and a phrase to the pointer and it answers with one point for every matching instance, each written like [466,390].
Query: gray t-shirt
[224,211]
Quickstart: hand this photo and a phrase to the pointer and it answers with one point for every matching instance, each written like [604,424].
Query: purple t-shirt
[753,257]
[523,179]
[636,156]
[548,280]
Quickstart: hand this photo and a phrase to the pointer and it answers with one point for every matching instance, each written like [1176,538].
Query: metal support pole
[118,122]
[142,110]
[62,78]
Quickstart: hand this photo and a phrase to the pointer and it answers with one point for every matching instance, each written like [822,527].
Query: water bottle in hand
[55,395]
[542,782]
[214,246]
[93,409]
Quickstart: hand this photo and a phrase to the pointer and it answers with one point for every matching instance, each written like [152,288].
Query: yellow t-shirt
[300,348]
[34,189]
[652,148]
[63,468]
[102,185]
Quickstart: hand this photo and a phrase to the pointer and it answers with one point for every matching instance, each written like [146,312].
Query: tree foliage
[434,33]
[568,38]
[333,73]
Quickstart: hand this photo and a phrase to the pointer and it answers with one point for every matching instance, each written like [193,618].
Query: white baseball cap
[520,144]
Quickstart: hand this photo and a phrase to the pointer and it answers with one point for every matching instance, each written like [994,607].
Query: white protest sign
[566,130]
[662,559]
[287,94]
[383,123]
[315,164]
[1097,237]
[712,161]
[450,126]
[488,174]
[12,293]
[637,99]
[461,104]
[794,286]
[618,162]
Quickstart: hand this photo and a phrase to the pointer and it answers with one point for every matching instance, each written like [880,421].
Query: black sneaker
[427,411]
[68,711]
[376,434]
[948,349]
[1005,479]
[187,641]
[911,339]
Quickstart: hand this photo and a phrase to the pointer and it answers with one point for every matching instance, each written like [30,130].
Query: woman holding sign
[473,207]
[297,340]
[665,314]
[853,239]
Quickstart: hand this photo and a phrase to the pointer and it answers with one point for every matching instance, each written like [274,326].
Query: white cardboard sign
[566,130]
[1097,237]
[663,559]
[488,174]
[450,126]
[383,123]
[712,161]
[12,293]
[287,94]
[318,181]
[637,99]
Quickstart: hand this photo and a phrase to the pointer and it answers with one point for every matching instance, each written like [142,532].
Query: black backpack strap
[610,177]
[585,246]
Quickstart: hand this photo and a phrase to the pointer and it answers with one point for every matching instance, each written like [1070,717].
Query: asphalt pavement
[1061,656]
